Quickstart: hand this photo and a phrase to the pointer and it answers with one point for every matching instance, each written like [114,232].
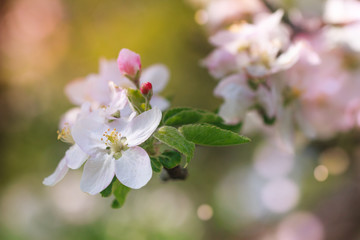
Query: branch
[176,173]
[296,29]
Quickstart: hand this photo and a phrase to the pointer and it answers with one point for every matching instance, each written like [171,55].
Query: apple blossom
[74,156]
[118,105]
[146,88]
[129,63]
[240,97]
[220,63]
[345,23]
[341,11]
[258,50]
[318,91]
[113,149]
[219,13]
[95,88]
[89,89]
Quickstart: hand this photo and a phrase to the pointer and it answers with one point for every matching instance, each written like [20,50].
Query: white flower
[91,89]
[95,87]
[346,36]
[113,149]
[240,97]
[258,50]
[118,104]
[344,13]
[220,63]
[219,13]
[341,11]
[74,156]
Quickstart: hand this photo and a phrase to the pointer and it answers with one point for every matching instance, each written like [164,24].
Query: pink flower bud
[129,62]
[146,88]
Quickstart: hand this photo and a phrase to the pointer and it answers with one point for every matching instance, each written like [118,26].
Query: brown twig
[286,19]
[176,173]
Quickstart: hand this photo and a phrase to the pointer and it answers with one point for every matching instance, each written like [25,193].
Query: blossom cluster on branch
[293,72]
[120,135]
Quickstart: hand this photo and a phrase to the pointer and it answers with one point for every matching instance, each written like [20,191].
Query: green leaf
[120,192]
[209,135]
[234,128]
[155,164]
[136,100]
[182,116]
[108,190]
[174,139]
[170,159]
[148,146]
[171,112]
[115,204]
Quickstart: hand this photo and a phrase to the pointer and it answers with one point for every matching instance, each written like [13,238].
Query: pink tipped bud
[146,88]
[129,62]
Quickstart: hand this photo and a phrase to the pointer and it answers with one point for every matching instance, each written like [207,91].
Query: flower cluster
[106,130]
[293,71]
[119,133]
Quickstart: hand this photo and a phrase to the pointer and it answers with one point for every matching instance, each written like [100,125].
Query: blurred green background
[44,44]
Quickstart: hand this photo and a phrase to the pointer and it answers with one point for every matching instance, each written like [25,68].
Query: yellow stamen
[65,134]
[114,141]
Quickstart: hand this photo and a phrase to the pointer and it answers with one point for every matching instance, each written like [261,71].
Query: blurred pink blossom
[129,62]
[341,11]
[258,50]
[222,12]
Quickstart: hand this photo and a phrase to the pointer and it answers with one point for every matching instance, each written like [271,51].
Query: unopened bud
[129,63]
[146,88]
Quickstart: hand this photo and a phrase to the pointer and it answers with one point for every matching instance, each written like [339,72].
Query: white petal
[77,91]
[85,109]
[233,111]
[160,102]
[59,173]
[220,62]
[271,22]
[288,58]
[238,98]
[126,111]
[119,123]
[118,100]
[88,130]
[69,118]
[336,11]
[109,72]
[98,173]
[223,37]
[75,157]
[257,70]
[230,86]
[142,126]
[267,99]
[157,75]
[99,90]
[133,169]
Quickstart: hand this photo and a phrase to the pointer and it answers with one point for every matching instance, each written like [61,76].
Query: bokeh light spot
[280,195]
[335,160]
[205,212]
[300,226]
[321,173]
